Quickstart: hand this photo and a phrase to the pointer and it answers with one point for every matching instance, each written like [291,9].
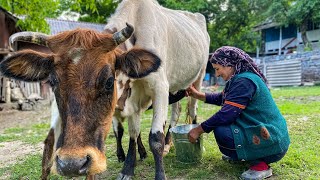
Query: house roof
[9,14]
[57,25]
[11,18]
[265,25]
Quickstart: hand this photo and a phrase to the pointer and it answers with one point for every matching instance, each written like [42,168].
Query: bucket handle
[185,140]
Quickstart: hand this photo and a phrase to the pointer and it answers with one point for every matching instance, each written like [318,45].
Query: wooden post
[280,40]
[7,90]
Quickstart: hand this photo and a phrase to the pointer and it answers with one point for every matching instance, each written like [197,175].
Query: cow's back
[187,48]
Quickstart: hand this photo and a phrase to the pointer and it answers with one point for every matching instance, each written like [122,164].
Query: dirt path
[12,118]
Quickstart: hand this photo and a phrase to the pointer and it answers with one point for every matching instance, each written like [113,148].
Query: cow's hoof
[166,149]
[143,156]
[121,158]
[160,176]
[124,177]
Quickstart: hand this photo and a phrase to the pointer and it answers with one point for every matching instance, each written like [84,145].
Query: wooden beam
[4,51]
[280,40]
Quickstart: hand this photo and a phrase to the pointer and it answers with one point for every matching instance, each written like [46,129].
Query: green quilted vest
[260,130]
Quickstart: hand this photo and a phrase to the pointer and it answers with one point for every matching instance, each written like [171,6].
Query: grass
[32,135]
[299,105]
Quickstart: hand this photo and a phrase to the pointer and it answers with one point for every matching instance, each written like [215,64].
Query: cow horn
[32,37]
[123,35]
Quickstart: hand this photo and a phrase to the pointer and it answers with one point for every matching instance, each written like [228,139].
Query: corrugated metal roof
[57,25]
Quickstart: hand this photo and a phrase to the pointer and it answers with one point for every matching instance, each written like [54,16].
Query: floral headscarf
[235,57]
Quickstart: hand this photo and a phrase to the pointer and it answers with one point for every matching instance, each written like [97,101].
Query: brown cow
[81,71]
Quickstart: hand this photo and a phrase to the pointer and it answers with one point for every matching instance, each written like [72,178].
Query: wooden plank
[2,89]
[4,51]
[7,90]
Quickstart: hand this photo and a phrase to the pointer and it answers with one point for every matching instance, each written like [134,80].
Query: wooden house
[7,28]
[279,40]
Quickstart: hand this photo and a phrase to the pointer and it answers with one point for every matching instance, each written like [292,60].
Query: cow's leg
[141,149]
[134,131]
[156,136]
[192,102]
[118,132]
[47,153]
[175,113]
[91,177]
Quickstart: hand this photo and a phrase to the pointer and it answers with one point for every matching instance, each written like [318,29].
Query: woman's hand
[193,92]
[195,133]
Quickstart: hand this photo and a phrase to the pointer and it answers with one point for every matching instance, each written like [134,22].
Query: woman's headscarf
[235,57]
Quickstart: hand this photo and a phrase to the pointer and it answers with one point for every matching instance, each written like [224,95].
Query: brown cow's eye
[53,81]
[109,83]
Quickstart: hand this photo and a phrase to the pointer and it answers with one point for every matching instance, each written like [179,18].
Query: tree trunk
[303,29]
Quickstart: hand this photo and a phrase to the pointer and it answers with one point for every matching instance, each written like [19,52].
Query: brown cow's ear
[138,63]
[27,65]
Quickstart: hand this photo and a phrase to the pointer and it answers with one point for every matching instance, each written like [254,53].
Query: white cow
[181,41]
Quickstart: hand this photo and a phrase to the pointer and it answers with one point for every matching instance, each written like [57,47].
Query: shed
[279,39]
[7,28]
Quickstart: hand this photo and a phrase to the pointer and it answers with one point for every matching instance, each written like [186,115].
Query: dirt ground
[11,118]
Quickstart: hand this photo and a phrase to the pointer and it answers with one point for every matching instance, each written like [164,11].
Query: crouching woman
[249,126]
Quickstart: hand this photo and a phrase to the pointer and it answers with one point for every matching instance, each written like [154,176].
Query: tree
[229,22]
[299,13]
[189,5]
[96,11]
[232,24]
[32,13]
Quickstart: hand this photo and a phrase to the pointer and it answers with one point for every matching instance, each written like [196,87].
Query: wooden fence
[26,88]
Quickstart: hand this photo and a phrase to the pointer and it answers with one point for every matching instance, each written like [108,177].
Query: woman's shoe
[256,175]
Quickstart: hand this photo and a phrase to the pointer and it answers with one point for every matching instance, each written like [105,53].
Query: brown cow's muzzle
[78,162]
[73,166]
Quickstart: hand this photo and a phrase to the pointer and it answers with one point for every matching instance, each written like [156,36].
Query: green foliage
[232,24]
[187,5]
[303,10]
[96,11]
[32,13]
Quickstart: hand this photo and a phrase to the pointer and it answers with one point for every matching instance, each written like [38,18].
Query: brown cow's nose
[73,166]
